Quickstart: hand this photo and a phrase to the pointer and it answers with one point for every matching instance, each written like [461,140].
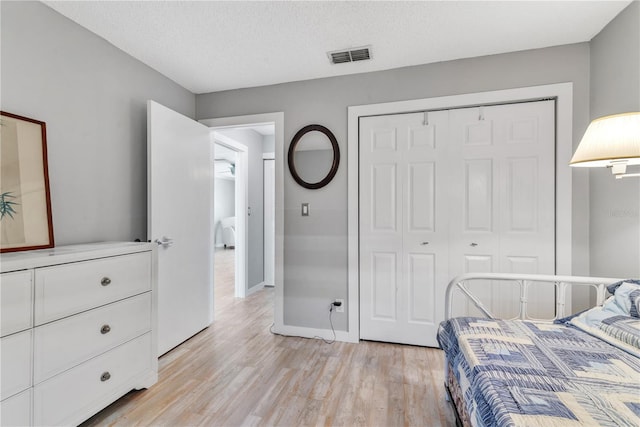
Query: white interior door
[403,226]
[503,219]
[180,202]
[269,221]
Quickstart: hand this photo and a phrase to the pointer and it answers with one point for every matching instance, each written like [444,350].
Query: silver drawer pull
[473,245]
[105,281]
[105,329]
[424,243]
[104,377]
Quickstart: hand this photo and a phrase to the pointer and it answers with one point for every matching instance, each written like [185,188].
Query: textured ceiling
[209,46]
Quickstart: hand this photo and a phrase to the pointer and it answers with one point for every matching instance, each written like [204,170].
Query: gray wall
[315,247]
[268,143]
[255,236]
[93,98]
[224,203]
[615,204]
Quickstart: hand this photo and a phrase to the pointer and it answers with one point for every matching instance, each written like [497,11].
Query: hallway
[224,280]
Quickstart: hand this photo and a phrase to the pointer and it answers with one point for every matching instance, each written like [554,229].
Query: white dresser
[77,330]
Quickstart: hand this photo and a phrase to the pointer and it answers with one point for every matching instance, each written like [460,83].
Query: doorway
[277,120]
[224,221]
[230,221]
[248,144]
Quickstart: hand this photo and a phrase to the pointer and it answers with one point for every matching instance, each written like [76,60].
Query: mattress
[527,373]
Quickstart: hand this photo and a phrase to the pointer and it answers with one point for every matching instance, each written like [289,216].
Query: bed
[580,370]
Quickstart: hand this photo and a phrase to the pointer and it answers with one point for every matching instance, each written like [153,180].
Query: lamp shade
[610,140]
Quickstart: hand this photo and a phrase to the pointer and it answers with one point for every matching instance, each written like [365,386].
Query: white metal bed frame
[526,281]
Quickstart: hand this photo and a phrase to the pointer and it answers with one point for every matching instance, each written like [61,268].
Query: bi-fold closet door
[448,192]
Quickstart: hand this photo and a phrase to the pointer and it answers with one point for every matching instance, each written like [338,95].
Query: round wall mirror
[314,156]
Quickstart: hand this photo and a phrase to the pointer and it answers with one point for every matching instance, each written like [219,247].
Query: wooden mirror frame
[40,179]
[334,165]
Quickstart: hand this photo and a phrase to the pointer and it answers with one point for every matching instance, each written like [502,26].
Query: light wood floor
[237,373]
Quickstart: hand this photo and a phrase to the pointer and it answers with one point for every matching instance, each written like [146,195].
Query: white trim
[241,203]
[564,134]
[268,220]
[278,120]
[252,290]
[268,156]
[327,334]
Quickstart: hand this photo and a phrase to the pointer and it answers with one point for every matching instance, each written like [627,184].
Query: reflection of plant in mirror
[6,205]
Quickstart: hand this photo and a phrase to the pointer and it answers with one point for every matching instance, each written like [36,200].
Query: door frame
[277,118]
[267,245]
[562,92]
[241,201]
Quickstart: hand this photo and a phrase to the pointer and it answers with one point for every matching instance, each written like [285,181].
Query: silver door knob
[105,281]
[105,376]
[164,242]
[105,329]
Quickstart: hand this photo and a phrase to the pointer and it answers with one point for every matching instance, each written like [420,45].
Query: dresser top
[64,254]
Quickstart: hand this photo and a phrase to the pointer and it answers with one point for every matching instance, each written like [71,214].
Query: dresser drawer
[68,398]
[16,301]
[16,410]
[62,344]
[71,288]
[15,353]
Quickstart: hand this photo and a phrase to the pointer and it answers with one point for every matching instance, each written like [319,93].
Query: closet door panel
[478,195]
[384,274]
[422,197]
[526,132]
[503,163]
[421,290]
[384,197]
[522,189]
[403,248]
[380,228]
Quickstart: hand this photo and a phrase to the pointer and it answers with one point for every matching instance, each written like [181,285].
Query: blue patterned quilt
[524,373]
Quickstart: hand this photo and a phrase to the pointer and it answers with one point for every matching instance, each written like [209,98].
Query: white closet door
[403,226]
[503,214]
[471,191]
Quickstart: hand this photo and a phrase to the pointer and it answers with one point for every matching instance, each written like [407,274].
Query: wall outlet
[340,308]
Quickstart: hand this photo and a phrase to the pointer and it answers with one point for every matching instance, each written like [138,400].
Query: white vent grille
[350,55]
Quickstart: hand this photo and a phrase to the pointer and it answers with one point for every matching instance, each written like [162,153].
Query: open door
[180,211]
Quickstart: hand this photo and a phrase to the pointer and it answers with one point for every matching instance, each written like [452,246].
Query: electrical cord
[315,337]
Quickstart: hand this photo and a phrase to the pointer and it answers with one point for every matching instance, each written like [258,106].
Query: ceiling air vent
[350,55]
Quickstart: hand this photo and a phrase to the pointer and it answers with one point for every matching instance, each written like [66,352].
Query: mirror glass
[314,156]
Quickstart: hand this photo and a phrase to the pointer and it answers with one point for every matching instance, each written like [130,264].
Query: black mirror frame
[336,156]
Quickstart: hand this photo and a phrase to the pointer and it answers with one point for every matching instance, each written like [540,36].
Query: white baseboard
[255,288]
[299,331]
